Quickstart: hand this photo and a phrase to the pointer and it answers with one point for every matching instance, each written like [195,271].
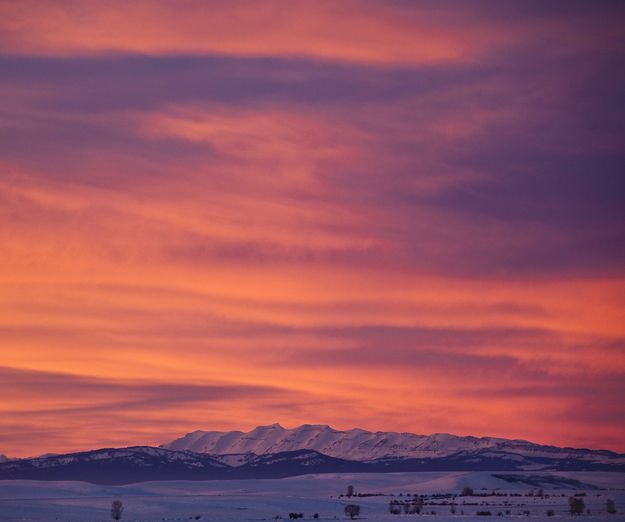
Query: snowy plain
[255,500]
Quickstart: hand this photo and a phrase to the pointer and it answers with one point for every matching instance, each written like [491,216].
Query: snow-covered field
[266,499]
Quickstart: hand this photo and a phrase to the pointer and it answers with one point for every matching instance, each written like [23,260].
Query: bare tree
[117,508]
[352,510]
[350,491]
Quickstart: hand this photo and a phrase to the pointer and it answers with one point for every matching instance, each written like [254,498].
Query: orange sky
[391,215]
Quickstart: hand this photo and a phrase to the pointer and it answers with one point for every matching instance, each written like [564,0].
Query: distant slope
[299,462]
[117,466]
[362,445]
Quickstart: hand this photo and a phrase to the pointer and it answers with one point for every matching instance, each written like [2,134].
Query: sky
[398,216]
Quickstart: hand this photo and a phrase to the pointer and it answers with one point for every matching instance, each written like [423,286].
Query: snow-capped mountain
[361,445]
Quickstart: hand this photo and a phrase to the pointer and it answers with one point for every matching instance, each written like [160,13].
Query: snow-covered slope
[361,445]
[255,500]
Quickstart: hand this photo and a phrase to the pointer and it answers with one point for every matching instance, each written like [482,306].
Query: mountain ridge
[116,466]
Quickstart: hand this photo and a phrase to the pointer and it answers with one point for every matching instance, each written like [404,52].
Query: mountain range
[273,452]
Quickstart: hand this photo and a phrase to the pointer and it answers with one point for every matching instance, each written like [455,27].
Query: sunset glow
[399,216]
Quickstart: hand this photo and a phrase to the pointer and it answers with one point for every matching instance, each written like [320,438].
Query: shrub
[352,510]
[467,492]
[610,507]
[576,505]
[484,513]
[551,513]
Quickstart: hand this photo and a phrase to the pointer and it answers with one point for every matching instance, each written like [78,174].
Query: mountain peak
[274,426]
[314,427]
